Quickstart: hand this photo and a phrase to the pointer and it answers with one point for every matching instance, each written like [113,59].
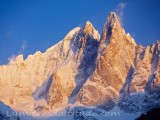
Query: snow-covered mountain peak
[88,23]
[113,30]
[112,19]
[90,30]
[84,68]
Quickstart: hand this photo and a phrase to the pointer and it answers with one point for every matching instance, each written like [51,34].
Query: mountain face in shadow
[153,114]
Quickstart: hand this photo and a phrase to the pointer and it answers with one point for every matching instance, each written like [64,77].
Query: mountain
[85,69]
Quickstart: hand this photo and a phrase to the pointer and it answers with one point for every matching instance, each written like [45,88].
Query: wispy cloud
[10,33]
[22,48]
[120,11]
[12,58]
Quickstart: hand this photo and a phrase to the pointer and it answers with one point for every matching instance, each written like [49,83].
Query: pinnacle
[113,14]
[88,23]
[88,28]
[112,19]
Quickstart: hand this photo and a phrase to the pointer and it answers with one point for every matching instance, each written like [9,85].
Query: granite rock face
[115,60]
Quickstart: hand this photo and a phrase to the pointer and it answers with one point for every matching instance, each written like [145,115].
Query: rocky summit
[85,69]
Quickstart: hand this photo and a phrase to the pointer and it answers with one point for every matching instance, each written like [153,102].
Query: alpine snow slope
[85,71]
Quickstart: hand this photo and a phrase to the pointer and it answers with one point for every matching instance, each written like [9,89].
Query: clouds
[22,48]
[9,34]
[24,45]
[120,11]
[12,58]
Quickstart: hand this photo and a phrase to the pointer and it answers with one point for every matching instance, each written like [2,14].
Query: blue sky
[30,25]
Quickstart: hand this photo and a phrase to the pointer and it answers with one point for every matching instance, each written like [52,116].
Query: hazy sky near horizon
[30,25]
